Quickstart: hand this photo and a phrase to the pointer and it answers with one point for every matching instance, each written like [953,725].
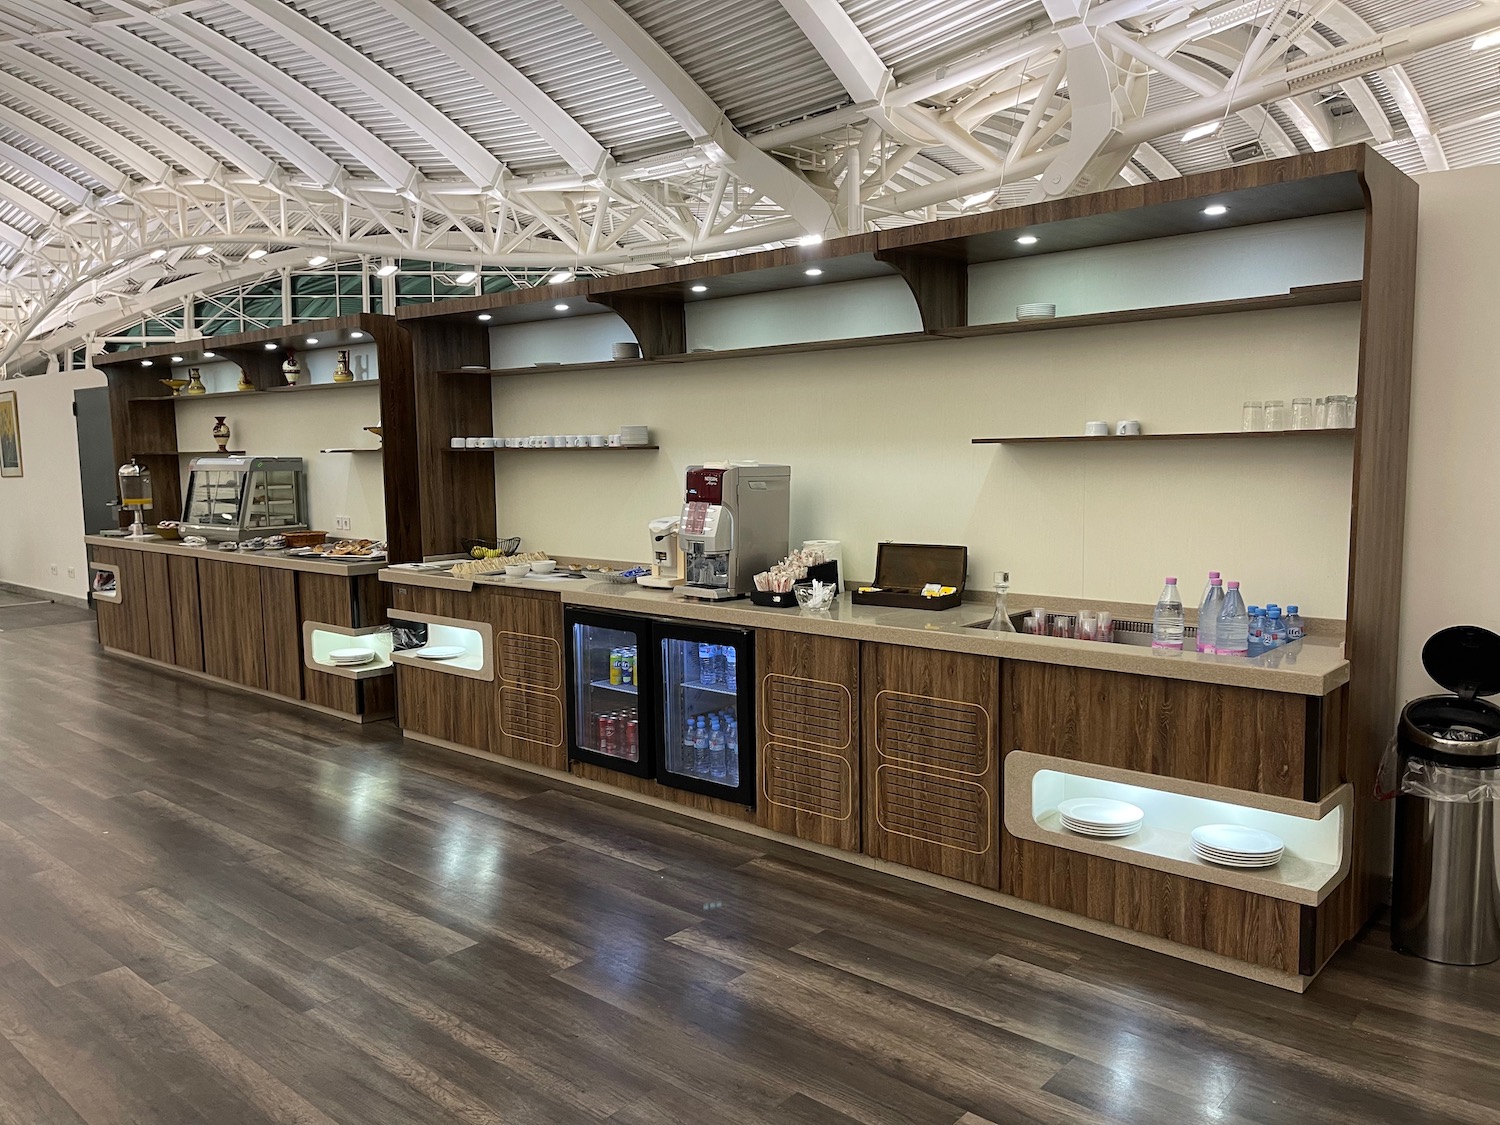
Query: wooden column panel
[283,631]
[328,598]
[187,622]
[1240,738]
[808,737]
[132,586]
[939,282]
[234,634]
[657,320]
[531,720]
[929,725]
[1234,923]
[158,604]
[398,421]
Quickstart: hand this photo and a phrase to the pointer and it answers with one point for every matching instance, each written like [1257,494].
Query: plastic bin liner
[1433,781]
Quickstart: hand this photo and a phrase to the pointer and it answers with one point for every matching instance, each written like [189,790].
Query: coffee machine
[666,554]
[735,523]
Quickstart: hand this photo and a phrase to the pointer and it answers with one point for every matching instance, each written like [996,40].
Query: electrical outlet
[341,523]
[53,569]
[72,572]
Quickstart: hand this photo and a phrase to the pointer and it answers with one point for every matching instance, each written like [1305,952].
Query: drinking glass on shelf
[1275,413]
[1320,413]
[1340,412]
[1302,413]
[1254,417]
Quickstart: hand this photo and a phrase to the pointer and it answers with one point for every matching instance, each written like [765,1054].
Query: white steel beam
[149,165]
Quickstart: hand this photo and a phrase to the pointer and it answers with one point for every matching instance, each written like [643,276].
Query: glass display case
[237,498]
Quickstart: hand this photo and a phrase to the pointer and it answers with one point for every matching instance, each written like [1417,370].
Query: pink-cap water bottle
[1168,622]
[1232,637]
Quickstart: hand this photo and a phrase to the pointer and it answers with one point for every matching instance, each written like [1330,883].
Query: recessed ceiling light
[1026,240]
[202,250]
[317,259]
[465,278]
[1487,40]
[814,272]
[560,308]
[560,277]
[312,341]
[145,363]
[158,254]
[386,270]
[1198,132]
[1214,210]
[485,316]
[257,254]
[210,355]
[700,289]
[270,347]
[356,335]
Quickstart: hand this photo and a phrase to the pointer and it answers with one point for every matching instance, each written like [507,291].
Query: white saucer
[439,652]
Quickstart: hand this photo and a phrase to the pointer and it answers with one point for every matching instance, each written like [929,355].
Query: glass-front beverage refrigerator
[610,719]
[666,700]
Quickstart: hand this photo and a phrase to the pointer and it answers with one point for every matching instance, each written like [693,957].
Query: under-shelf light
[1214,210]
[1198,132]
[559,308]
[486,317]
[356,335]
[145,363]
[1026,240]
[176,359]
[814,272]
[312,341]
[700,289]
[210,355]
[1487,40]
[270,347]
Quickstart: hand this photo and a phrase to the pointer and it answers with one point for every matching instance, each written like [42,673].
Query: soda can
[627,667]
[615,669]
[603,734]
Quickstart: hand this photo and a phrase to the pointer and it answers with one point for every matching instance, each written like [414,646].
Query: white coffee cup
[486,443]
[473,442]
[456,443]
[1127,427]
[612,439]
[1096,429]
[597,440]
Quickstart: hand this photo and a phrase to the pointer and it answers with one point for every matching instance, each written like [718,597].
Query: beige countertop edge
[273,559]
[1319,670]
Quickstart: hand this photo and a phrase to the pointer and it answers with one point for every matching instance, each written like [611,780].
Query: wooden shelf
[557,449]
[301,388]
[1344,292]
[1228,435]
[546,369]
[798,349]
[192,453]
[376,449]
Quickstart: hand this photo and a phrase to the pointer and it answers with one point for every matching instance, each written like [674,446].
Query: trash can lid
[1465,659]
[1452,730]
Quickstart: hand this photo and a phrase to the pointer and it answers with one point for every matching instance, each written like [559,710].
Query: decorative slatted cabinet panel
[531,720]
[808,737]
[234,642]
[929,724]
[440,705]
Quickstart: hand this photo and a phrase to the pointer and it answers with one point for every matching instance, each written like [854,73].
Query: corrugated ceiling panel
[40,152]
[913,36]
[36,189]
[13,216]
[1474,144]
[390,44]
[543,41]
[750,57]
[1383,15]
[1455,81]
[64,131]
[1404,155]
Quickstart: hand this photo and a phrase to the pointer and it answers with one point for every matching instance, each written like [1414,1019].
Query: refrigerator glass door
[707,720]
[607,723]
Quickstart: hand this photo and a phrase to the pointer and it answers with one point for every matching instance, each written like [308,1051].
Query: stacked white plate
[438,652]
[1036,310]
[1100,816]
[634,435]
[350,656]
[627,350]
[1232,845]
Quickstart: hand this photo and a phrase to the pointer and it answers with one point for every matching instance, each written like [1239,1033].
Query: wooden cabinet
[187,619]
[808,753]
[125,624]
[1240,738]
[930,735]
[234,634]
[531,696]
[282,629]
[438,704]
[157,604]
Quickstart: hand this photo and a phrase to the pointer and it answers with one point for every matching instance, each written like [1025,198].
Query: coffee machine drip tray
[709,593]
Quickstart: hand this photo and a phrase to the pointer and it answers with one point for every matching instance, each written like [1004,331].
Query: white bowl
[518,570]
[544,566]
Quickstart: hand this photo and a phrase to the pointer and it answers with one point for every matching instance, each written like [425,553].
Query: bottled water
[1255,640]
[1295,629]
[1275,628]
[732,753]
[731,675]
[700,748]
[1167,621]
[687,753]
[717,768]
[1232,635]
[1208,612]
[721,665]
[705,664]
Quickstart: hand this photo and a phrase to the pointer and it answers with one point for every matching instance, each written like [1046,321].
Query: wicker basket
[305,538]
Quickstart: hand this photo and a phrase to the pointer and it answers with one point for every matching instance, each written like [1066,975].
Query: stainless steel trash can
[1445,894]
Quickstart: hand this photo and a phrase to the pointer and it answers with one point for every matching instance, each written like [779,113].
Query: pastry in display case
[230,499]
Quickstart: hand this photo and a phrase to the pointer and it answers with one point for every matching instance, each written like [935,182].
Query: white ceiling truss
[155,149]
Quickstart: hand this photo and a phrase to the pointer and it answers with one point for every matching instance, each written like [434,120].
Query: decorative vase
[245,383]
[341,372]
[195,383]
[221,433]
[291,369]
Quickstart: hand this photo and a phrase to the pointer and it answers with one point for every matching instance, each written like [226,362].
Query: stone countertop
[1314,666]
[276,559]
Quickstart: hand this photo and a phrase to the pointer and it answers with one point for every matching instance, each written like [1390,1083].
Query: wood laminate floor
[214,908]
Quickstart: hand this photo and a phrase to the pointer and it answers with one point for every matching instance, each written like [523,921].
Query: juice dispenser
[735,523]
[135,494]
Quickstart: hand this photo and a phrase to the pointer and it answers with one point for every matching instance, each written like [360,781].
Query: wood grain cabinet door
[283,631]
[530,717]
[327,598]
[114,628]
[234,632]
[930,732]
[187,620]
[157,585]
[808,740]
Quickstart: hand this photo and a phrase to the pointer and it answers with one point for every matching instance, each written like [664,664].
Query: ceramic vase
[245,383]
[342,372]
[291,370]
[195,383]
[221,433]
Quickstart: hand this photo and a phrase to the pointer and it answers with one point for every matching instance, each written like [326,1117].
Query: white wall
[1452,572]
[41,513]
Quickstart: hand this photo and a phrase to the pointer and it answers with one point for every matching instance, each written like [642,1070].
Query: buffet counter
[917,743]
[263,621]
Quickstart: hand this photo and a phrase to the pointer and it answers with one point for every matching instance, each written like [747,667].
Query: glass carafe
[1001,622]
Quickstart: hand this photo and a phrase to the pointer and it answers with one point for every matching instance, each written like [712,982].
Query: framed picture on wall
[10,435]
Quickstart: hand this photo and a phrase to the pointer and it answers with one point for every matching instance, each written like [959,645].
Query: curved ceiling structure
[154,149]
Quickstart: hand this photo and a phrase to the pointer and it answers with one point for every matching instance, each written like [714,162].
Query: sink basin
[1127,631]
